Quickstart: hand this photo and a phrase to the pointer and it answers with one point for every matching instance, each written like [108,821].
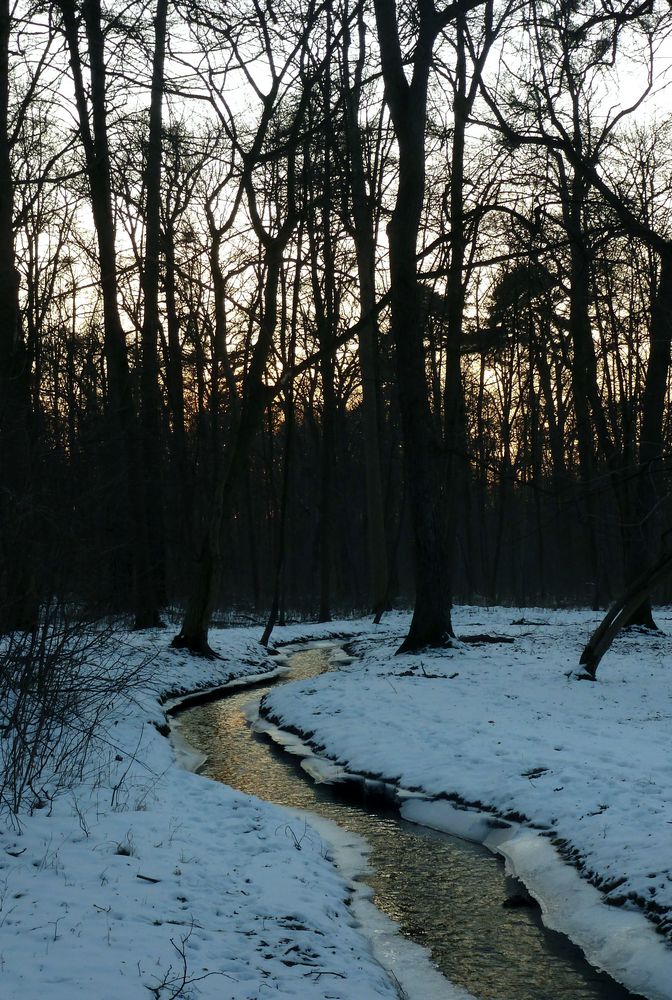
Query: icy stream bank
[499,955]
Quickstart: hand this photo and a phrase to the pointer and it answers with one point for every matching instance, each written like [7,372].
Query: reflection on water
[445,893]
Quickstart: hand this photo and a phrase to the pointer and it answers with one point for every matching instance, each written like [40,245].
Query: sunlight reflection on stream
[445,893]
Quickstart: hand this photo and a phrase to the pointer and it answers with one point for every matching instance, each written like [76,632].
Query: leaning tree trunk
[621,611]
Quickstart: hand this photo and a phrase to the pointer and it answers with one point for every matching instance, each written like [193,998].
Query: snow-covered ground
[510,729]
[145,878]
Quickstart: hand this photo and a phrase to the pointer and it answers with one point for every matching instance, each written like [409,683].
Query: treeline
[314,307]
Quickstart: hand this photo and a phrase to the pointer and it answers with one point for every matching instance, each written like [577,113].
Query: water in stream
[443,892]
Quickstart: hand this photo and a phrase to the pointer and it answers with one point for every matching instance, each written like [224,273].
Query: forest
[332,330]
[332,306]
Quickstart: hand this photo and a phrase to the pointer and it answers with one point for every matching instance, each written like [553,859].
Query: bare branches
[175,983]
[57,685]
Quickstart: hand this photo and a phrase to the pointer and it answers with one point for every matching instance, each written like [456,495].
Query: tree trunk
[194,632]
[18,593]
[153,592]
[281,541]
[621,611]
[457,467]
[423,456]
[638,555]
[277,610]
[323,301]
[175,386]
[327,480]
[584,376]
[123,440]
[365,251]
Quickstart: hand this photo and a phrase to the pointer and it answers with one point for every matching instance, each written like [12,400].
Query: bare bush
[58,683]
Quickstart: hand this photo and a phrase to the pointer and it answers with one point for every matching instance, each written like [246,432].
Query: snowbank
[145,880]
[509,729]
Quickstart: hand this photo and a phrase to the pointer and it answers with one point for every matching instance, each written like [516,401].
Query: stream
[444,893]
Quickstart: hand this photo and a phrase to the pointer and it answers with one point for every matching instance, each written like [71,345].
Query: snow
[409,963]
[509,729]
[145,875]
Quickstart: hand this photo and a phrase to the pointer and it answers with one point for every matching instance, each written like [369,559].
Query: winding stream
[444,893]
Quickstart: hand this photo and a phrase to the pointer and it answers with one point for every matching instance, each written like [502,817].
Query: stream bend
[448,895]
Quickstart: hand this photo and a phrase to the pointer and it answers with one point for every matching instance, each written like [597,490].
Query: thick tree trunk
[423,458]
[423,455]
[648,491]
[590,421]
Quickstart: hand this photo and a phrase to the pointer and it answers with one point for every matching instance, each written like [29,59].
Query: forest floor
[146,880]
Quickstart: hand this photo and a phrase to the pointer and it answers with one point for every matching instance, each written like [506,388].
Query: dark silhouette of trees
[574,48]
[361,213]
[312,308]
[273,240]
[17,587]
[124,438]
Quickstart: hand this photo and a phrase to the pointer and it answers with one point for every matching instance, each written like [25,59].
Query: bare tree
[273,240]
[407,101]
[124,438]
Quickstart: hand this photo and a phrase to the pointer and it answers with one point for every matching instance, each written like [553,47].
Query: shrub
[58,683]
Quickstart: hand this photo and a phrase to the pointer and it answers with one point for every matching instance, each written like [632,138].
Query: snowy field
[146,880]
[509,728]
